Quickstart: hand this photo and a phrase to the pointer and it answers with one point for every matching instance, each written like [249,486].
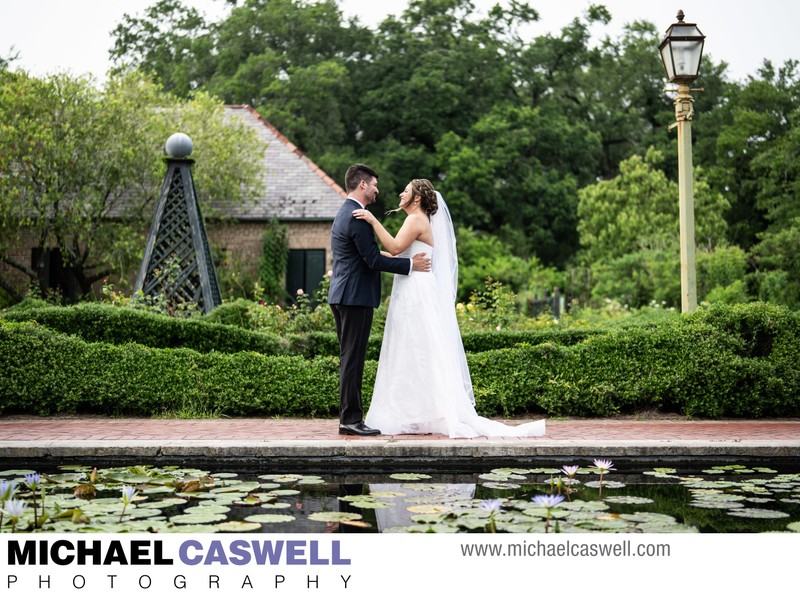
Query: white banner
[369,563]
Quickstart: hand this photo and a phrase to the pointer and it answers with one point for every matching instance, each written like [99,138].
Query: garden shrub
[477,342]
[227,329]
[736,361]
[44,372]
[95,322]
[233,313]
[689,366]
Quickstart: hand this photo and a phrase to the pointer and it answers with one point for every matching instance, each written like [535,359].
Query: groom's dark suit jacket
[357,261]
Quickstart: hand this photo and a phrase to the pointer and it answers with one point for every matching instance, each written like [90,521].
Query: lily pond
[597,497]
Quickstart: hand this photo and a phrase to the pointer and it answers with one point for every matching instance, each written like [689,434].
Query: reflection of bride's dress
[422,385]
[449,495]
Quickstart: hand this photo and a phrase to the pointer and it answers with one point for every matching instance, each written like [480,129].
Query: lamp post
[681,51]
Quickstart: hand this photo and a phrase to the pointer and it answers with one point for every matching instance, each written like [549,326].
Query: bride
[423,383]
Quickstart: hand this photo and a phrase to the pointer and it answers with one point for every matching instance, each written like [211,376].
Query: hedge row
[95,322]
[121,325]
[44,372]
[717,362]
[734,361]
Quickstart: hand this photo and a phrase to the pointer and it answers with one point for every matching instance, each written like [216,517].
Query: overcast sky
[74,35]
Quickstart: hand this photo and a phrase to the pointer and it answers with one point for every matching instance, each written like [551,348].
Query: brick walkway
[31,429]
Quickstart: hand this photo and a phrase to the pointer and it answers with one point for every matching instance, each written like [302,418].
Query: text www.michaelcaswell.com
[566,549]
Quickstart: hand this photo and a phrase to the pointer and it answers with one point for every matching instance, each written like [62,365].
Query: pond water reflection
[715,498]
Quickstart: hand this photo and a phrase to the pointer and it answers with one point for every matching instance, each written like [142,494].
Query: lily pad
[189,528]
[649,517]
[429,509]
[270,518]
[409,476]
[502,486]
[628,499]
[19,473]
[511,470]
[710,504]
[385,494]
[334,516]
[605,484]
[374,504]
[234,526]
[281,478]
[207,509]
[238,487]
[164,503]
[284,492]
[198,518]
[502,476]
[761,514]
[276,505]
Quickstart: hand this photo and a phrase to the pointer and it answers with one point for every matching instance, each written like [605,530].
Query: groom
[355,291]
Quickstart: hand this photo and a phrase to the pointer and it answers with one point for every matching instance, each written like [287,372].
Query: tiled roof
[295,188]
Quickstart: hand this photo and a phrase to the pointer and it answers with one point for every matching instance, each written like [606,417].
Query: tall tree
[629,231]
[80,168]
[517,174]
[747,158]
[171,42]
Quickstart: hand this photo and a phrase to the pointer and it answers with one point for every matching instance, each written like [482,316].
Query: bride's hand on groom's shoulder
[365,215]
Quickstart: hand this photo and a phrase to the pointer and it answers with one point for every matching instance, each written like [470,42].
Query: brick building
[298,194]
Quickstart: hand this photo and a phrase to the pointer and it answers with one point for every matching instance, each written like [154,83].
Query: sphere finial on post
[178,146]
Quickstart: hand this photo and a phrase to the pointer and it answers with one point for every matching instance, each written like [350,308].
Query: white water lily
[128,494]
[14,508]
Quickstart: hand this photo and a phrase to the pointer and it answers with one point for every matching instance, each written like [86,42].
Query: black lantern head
[681,51]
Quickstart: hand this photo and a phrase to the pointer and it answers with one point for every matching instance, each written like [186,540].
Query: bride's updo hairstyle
[425,190]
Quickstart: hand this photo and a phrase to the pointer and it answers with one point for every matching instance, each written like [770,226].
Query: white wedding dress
[423,384]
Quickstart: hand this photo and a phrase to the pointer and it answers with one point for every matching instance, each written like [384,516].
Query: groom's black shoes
[359,429]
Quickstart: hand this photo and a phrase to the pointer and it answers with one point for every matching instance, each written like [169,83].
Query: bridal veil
[445,268]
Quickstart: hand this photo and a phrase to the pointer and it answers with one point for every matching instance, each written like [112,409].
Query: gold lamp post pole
[683,115]
[681,51]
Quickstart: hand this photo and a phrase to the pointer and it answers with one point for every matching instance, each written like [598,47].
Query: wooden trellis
[177,260]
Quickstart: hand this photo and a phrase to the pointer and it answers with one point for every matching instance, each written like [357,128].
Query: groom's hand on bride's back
[421,263]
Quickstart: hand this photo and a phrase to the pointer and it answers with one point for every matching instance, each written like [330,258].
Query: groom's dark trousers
[353,324]
[355,291]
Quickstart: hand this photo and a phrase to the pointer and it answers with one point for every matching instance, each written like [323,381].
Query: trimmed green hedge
[224,330]
[43,372]
[95,322]
[738,361]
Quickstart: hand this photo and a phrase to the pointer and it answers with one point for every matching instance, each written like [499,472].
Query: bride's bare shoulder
[419,220]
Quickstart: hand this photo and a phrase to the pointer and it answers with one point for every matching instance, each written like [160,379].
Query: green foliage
[483,255]
[723,361]
[234,274]
[721,275]
[753,151]
[719,361]
[66,374]
[231,313]
[176,55]
[99,323]
[169,301]
[272,262]
[777,275]
[629,232]
[518,172]
[556,146]
[83,166]
[639,278]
